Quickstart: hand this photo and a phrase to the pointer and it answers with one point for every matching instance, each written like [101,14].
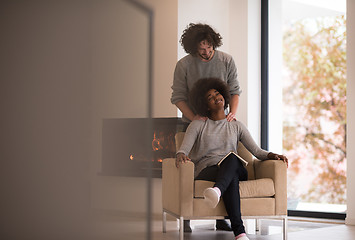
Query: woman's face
[215,100]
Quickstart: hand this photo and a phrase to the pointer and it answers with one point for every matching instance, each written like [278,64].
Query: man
[203,61]
[200,41]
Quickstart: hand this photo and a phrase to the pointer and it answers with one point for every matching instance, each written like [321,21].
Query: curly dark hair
[201,87]
[195,33]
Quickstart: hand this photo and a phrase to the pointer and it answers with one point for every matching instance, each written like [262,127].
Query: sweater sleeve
[190,137]
[179,87]
[249,143]
[232,78]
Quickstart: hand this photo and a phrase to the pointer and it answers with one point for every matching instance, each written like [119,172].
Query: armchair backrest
[242,151]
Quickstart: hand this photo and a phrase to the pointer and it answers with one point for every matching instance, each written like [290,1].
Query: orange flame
[156,143]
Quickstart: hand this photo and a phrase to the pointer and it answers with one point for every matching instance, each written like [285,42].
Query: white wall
[350,151]
[244,28]
[214,13]
[165,22]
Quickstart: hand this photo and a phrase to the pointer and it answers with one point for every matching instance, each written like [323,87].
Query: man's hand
[231,117]
[181,158]
[274,156]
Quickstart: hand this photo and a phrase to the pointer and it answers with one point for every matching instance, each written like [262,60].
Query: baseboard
[350,221]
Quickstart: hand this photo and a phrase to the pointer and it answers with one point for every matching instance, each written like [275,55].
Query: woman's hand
[231,117]
[274,156]
[181,158]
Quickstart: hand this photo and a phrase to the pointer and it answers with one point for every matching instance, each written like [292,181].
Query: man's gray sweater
[190,69]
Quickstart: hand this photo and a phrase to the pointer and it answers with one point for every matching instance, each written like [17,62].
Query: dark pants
[227,177]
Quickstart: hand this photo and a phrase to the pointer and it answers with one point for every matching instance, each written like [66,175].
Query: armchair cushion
[248,189]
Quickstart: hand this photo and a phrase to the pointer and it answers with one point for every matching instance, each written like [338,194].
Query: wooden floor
[113,227]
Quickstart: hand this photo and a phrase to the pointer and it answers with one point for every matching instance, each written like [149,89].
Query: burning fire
[158,146]
[156,143]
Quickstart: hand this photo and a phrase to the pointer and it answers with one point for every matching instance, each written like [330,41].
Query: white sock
[218,191]
[241,236]
[212,197]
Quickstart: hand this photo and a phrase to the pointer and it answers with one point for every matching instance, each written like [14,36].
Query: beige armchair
[263,196]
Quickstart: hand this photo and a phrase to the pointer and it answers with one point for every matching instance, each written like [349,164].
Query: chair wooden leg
[164,222]
[181,230]
[284,223]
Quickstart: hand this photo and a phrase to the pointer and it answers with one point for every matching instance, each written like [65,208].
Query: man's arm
[234,88]
[185,109]
[233,106]
[188,113]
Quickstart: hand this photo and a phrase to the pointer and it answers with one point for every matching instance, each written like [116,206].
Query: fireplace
[130,146]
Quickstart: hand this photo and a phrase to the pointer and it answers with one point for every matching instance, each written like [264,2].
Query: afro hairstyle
[201,87]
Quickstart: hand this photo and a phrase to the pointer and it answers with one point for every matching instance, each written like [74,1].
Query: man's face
[205,50]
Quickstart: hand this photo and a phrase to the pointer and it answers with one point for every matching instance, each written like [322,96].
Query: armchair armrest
[177,187]
[277,171]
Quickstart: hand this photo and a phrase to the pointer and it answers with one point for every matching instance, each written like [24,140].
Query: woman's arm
[249,143]
[190,138]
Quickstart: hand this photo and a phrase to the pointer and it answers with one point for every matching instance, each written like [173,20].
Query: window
[308,82]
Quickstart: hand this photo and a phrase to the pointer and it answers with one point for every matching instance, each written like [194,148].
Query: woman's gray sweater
[206,142]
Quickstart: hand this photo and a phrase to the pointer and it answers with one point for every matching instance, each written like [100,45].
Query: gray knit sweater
[206,142]
[190,68]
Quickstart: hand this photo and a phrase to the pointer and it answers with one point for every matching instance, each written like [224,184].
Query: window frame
[264,104]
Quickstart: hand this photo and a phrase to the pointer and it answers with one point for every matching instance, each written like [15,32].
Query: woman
[207,142]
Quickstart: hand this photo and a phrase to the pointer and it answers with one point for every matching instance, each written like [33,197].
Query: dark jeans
[226,178]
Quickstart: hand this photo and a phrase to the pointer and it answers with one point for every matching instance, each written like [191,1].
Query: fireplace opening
[129,147]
